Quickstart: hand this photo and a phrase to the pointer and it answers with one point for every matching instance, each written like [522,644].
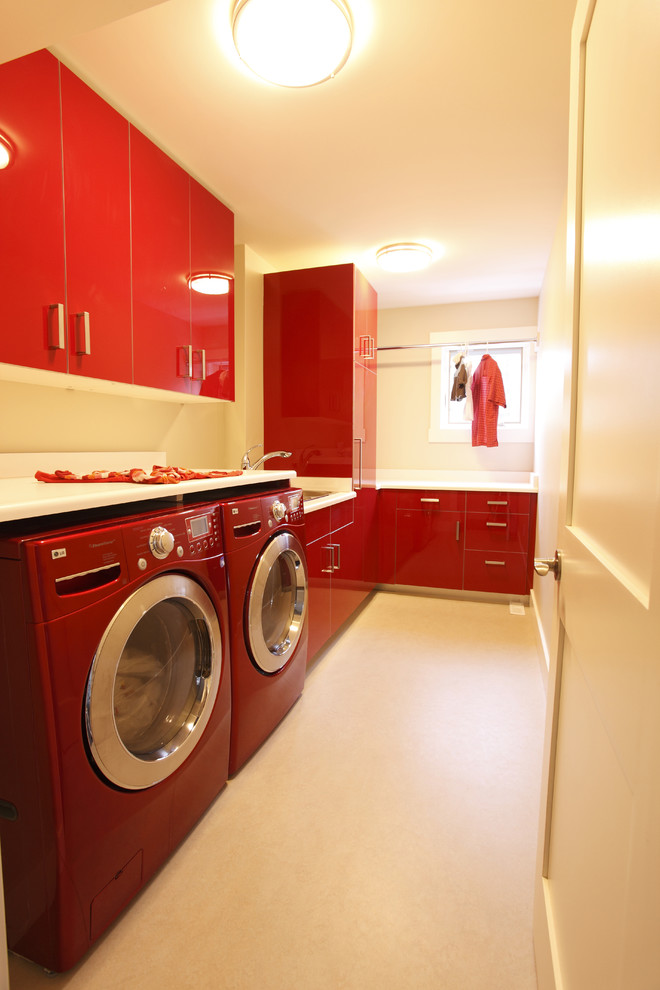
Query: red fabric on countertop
[159,476]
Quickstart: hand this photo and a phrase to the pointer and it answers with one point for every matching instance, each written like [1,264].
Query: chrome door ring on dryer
[276,603]
[153,682]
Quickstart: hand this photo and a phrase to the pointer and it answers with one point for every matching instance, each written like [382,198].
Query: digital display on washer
[199,526]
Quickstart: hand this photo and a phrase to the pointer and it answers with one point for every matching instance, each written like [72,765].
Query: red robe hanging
[487,396]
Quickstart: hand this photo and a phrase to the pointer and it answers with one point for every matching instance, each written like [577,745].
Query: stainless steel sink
[309,494]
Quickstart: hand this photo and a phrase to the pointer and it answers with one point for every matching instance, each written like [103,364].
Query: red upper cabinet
[99,233]
[309,392]
[98,259]
[32,215]
[160,197]
[212,250]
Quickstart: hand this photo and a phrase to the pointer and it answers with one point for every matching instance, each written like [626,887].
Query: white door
[597,923]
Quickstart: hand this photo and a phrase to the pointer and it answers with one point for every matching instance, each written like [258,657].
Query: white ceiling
[448,125]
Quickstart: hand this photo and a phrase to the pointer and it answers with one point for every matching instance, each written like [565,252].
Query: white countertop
[465,481]
[26,498]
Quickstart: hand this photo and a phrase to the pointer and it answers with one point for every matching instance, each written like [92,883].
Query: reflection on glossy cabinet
[32,216]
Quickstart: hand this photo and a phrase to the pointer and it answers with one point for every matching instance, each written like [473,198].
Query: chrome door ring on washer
[277,603]
[153,682]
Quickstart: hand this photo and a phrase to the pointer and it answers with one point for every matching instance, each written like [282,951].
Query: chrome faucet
[245,462]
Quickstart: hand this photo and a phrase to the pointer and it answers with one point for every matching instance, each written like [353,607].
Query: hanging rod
[459,343]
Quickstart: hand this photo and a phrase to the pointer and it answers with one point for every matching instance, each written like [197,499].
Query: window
[517,362]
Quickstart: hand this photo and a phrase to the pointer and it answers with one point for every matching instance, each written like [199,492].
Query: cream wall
[404,381]
[552,378]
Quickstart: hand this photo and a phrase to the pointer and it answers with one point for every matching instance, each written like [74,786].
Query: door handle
[543,565]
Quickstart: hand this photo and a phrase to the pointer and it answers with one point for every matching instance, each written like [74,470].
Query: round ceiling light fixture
[293,43]
[210,283]
[6,152]
[404,257]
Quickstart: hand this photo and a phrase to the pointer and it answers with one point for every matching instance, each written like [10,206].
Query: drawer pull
[458,530]
[498,525]
[429,499]
[496,563]
[497,503]
[56,327]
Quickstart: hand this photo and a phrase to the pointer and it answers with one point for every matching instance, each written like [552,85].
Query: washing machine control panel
[192,534]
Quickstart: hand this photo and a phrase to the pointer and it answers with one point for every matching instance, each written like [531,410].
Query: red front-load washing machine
[115,714]
[267,585]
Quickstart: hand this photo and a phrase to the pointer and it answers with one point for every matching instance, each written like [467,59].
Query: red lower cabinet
[341,563]
[318,594]
[469,541]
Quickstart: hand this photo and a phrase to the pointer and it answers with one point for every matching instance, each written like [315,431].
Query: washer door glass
[153,682]
[277,603]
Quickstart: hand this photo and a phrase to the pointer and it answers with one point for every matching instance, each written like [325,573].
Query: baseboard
[542,643]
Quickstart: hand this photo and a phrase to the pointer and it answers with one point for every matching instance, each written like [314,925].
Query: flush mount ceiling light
[6,152]
[293,42]
[404,257]
[210,283]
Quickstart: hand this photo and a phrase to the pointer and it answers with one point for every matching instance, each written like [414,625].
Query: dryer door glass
[153,682]
[277,603]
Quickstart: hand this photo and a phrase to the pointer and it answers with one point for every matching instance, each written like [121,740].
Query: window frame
[491,340]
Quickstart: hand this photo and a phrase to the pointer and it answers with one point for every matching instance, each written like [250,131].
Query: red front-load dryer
[115,715]
[267,584]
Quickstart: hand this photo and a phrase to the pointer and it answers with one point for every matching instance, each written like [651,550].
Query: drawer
[431,500]
[496,531]
[498,501]
[342,514]
[503,573]
[317,525]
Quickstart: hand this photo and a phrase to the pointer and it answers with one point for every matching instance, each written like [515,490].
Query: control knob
[161,542]
[279,510]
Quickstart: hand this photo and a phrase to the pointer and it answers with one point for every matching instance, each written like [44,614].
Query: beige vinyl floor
[382,839]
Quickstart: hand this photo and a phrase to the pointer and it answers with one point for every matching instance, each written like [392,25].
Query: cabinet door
[31,215]
[429,548]
[160,193]
[212,250]
[319,574]
[308,369]
[98,237]
[348,589]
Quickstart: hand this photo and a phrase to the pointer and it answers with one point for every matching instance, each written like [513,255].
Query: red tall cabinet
[320,403]
[320,372]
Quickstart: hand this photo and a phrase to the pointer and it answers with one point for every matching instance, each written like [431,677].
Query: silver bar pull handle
[497,503]
[202,354]
[83,340]
[429,499]
[336,546]
[330,569]
[458,530]
[497,525]
[496,563]
[56,326]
